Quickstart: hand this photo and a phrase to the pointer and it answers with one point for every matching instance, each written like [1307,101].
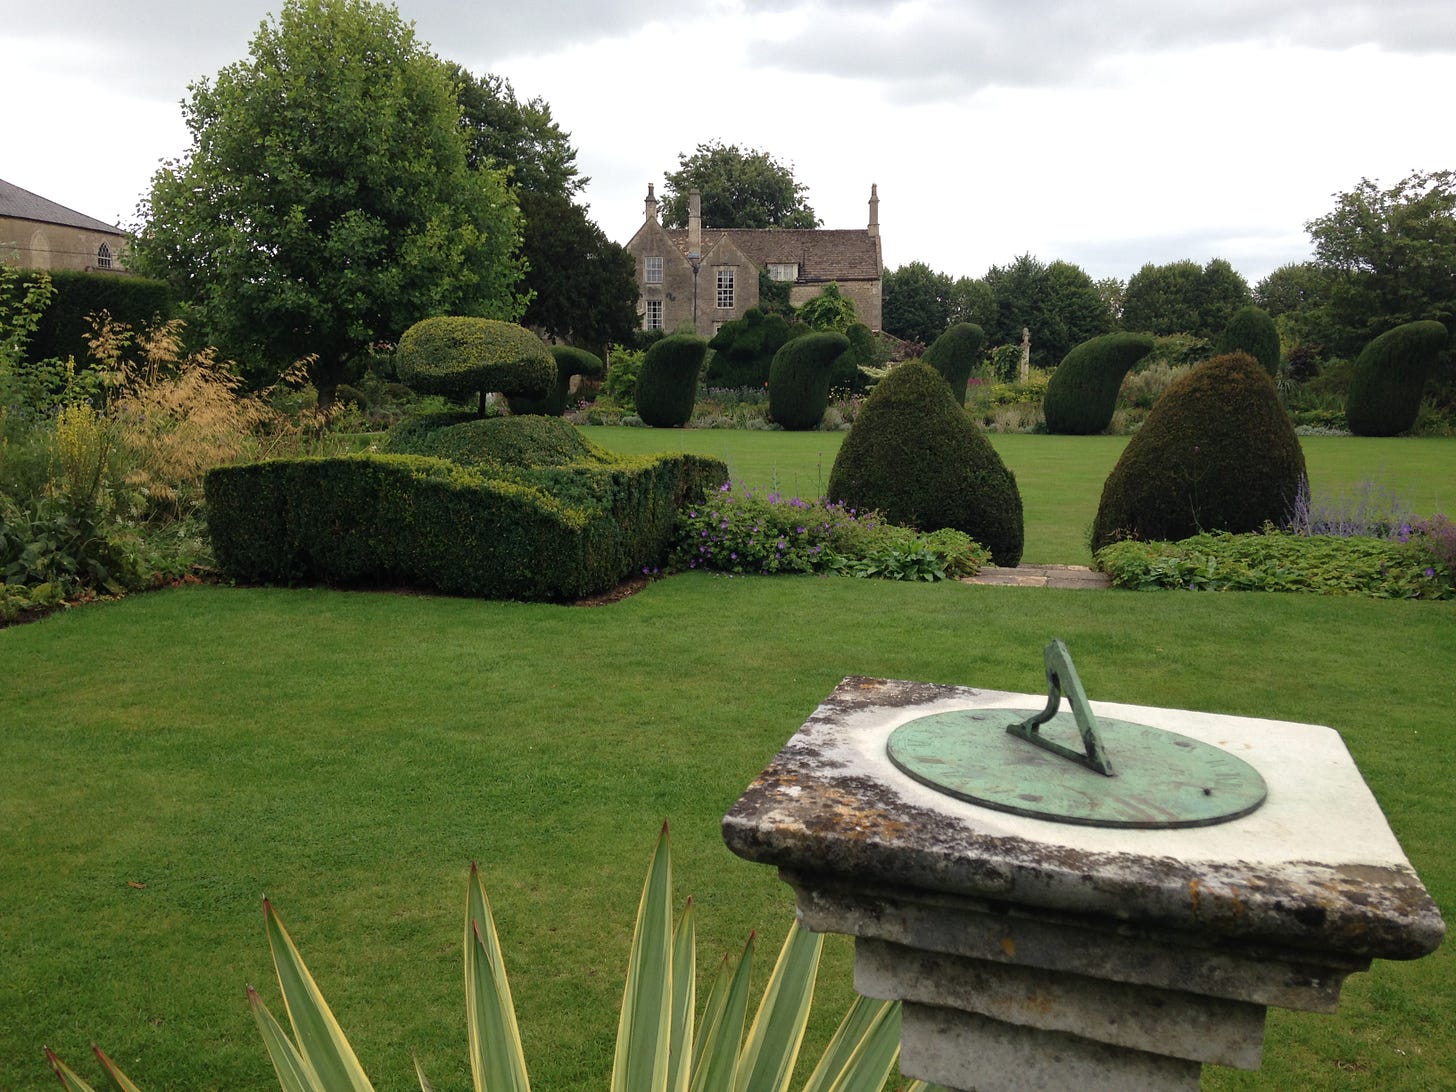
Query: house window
[725,285]
[783,271]
[653,318]
[654,270]
[103,257]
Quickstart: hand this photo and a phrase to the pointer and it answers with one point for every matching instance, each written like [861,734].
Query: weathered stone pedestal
[1032,954]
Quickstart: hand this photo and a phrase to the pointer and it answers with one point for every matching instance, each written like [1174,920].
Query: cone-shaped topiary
[798,379]
[1388,377]
[916,456]
[1216,453]
[459,356]
[955,355]
[1082,392]
[667,385]
[570,361]
[1251,331]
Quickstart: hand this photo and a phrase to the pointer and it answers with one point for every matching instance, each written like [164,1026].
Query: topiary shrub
[744,349]
[570,361]
[799,379]
[1388,377]
[1082,392]
[1217,453]
[863,352]
[459,357]
[1251,330]
[525,440]
[955,355]
[916,456]
[667,385]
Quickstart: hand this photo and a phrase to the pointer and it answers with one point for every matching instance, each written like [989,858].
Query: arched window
[103,257]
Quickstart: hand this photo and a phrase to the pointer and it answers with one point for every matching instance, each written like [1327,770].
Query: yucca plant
[659,1046]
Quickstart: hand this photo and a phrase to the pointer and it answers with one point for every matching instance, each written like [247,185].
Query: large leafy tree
[503,132]
[1390,254]
[917,302]
[1183,298]
[741,188]
[1058,303]
[326,202]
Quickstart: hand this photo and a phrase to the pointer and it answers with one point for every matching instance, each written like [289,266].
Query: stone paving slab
[1042,576]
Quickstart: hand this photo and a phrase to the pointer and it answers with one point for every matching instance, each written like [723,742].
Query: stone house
[36,233]
[706,276]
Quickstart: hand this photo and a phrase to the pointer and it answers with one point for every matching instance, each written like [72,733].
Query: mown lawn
[168,759]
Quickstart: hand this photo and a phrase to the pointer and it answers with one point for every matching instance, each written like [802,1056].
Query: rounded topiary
[1388,377]
[744,349]
[570,361]
[1251,331]
[916,456]
[459,357]
[799,378]
[1082,392]
[1216,453]
[955,355]
[525,440]
[667,385]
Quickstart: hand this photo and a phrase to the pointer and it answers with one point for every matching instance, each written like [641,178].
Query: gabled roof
[21,204]
[821,255]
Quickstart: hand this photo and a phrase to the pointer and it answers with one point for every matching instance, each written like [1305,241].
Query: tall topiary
[955,355]
[744,349]
[916,456]
[458,357]
[570,361]
[1082,392]
[1216,453]
[1388,377]
[1251,330]
[799,379]
[667,385]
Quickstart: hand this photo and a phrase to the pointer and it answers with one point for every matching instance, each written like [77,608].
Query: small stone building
[36,233]
[706,276]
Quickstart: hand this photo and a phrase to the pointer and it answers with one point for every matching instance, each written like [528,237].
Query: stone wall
[34,245]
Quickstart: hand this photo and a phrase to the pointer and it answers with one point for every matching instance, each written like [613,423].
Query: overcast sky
[1108,134]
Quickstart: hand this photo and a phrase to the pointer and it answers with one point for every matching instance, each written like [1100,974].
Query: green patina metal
[1024,762]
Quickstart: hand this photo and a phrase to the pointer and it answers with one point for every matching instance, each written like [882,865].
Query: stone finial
[651,205]
[874,210]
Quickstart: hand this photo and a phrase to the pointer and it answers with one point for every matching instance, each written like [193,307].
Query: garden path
[1042,576]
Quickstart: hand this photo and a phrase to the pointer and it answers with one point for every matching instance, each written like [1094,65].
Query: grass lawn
[1060,476]
[168,759]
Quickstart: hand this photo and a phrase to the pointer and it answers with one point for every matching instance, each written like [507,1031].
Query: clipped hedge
[955,355]
[1082,393]
[550,533]
[525,441]
[459,357]
[667,385]
[1251,330]
[744,349]
[799,379]
[570,361]
[139,302]
[1389,376]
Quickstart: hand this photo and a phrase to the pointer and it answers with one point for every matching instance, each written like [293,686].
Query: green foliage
[546,533]
[503,133]
[1389,376]
[667,384]
[326,203]
[1181,297]
[956,354]
[800,377]
[773,295]
[848,374]
[1082,392]
[1216,453]
[1058,303]
[529,440]
[570,361]
[740,187]
[1327,565]
[744,349]
[459,357]
[623,367]
[1251,331]
[64,329]
[829,310]
[916,302]
[916,456]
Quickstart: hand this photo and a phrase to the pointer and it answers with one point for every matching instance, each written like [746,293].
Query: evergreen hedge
[570,361]
[1389,377]
[667,385]
[459,356]
[1082,393]
[744,349]
[139,302]
[528,440]
[955,355]
[1251,330]
[799,379]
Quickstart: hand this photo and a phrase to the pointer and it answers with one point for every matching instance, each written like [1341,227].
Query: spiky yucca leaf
[864,1050]
[644,1026]
[778,1027]
[497,1059]
[292,1074]
[118,1080]
[684,1000]
[715,1059]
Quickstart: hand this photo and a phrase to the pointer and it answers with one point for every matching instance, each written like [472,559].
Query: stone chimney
[695,222]
[874,211]
[651,205]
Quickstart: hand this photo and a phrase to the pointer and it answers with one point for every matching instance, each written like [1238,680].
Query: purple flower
[1430,571]
[725,487]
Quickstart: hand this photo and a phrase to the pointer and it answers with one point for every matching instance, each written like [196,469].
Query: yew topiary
[1251,330]
[955,355]
[667,385]
[1389,376]
[799,378]
[570,361]
[916,456]
[1216,453]
[1082,392]
[459,357]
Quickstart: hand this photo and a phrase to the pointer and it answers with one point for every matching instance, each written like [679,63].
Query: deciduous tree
[917,302]
[1183,298]
[741,188]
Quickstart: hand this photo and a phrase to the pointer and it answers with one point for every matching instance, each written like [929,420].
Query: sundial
[1075,767]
